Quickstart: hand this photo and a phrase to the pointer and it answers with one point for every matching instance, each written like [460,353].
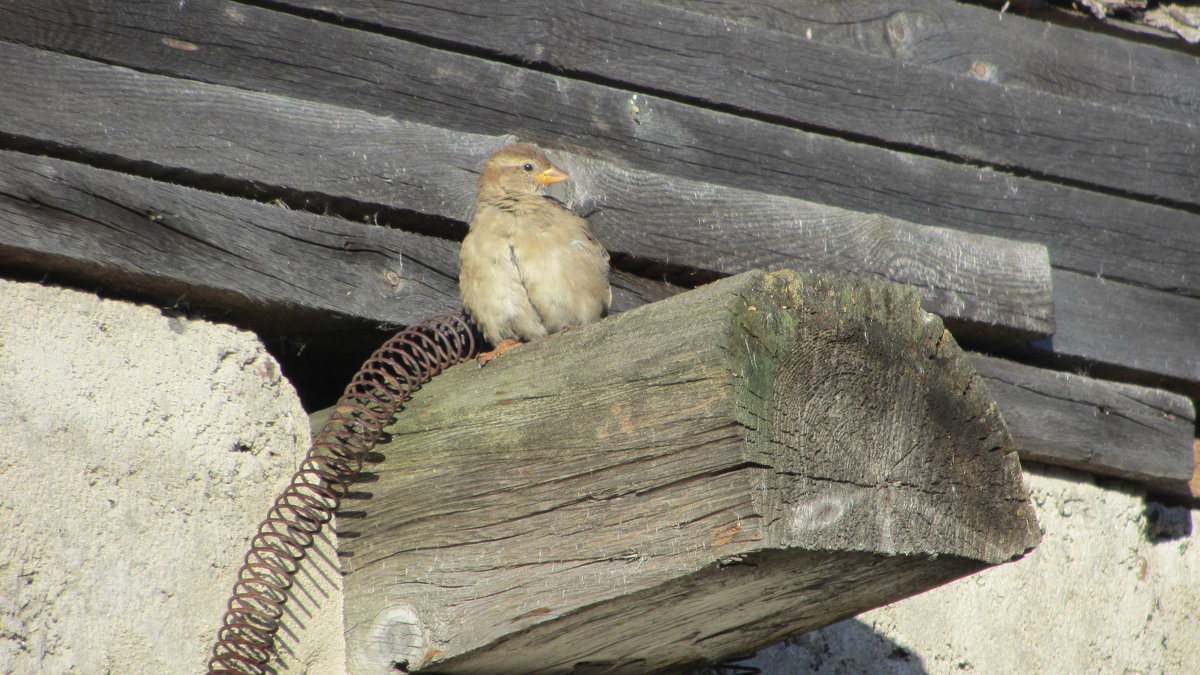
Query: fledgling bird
[530,267]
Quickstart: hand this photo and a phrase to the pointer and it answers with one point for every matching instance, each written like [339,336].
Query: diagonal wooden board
[1108,428]
[266,140]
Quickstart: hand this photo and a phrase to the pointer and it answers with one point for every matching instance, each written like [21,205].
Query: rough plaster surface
[137,454]
[1095,597]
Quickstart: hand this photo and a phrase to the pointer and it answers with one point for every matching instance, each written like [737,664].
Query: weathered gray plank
[263,139]
[690,223]
[1129,332]
[957,38]
[649,47]
[276,268]
[257,49]
[1087,232]
[679,484]
[1108,428]
[273,269]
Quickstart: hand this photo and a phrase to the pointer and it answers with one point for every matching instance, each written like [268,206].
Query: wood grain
[266,140]
[1107,428]
[617,495]
[649,47]
[1125,332]
[260,50]
[1101,237]
[264,266]
[276,268]
[728,230]
[1001,47]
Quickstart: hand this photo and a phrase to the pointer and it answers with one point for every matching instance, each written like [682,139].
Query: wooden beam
[679,484]
[993,287]
[267,267]
[269,51]
[650,47]
[1107,428]
[264,140]
[184,247]
[988,42]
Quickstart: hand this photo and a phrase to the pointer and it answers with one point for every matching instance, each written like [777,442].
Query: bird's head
[518,169]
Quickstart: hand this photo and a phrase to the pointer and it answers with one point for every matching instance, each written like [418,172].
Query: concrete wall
[137,454]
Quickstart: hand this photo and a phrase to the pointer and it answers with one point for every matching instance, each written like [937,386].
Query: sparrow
[529,266]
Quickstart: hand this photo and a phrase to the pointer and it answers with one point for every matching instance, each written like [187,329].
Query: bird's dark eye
[527,166]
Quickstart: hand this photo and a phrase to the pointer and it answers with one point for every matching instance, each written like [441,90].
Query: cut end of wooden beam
[682,483]
[864,373]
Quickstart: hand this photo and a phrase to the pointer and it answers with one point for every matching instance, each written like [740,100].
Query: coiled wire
[246,640]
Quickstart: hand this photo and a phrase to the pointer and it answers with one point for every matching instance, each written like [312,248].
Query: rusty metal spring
[246,640]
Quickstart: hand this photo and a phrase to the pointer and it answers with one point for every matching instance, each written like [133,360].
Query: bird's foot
[500,348]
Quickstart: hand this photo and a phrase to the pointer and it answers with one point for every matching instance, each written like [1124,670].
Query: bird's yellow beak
[552,175]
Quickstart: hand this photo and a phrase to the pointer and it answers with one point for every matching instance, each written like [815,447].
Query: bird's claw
[504,345]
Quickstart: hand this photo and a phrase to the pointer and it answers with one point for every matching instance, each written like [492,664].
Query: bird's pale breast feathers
[529,266]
